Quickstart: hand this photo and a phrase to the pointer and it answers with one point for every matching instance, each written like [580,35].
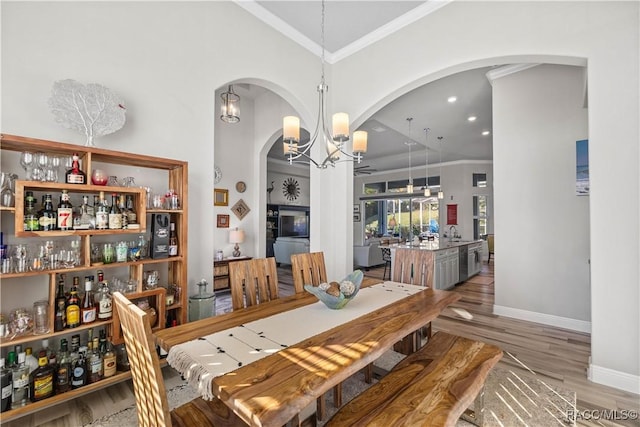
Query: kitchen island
[454,260]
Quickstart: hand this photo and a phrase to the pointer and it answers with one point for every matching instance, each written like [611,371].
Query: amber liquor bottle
[60,322]
[75,175]
[63,374]
[41,380]
[73,306]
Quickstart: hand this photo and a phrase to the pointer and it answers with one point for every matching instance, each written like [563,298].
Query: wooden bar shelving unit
[176,266]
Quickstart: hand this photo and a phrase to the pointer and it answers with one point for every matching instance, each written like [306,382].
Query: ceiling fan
[363,170]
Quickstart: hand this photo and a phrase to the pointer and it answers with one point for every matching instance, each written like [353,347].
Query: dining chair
[253,281]
[414,267]
[310,269]
[490,241]
[148,385]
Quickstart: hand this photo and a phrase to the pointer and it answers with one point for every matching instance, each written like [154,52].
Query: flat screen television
[294,226]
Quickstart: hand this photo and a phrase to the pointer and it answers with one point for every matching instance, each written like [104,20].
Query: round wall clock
[241,186]
[217,175]
[290,189]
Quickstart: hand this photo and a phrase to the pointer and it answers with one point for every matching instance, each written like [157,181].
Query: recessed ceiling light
[452,99]
[472,118]
[485,132]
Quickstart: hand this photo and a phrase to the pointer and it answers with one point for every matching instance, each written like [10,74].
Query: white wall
[603,34]
[542,227]
[234,146]
[167,59]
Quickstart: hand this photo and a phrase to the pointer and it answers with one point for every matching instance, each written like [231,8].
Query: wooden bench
[431,387]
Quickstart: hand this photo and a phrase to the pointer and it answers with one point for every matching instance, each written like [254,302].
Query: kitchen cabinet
[35,278]
[446,268]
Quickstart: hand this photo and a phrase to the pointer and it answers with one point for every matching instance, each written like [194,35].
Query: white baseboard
[616,379]
[545,319]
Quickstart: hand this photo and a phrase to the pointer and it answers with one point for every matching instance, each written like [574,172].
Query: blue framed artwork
[582,167]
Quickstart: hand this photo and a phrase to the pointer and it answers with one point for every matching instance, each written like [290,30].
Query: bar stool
[386,256]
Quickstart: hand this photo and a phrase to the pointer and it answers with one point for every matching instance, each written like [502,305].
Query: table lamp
[236,236]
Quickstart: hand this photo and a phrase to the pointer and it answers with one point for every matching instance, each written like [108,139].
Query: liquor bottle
[60,322]
[31,219]
[131,210]
[115,216]
[87,221]
[92,208]
[102,215]
[123,211]
[41,381]
[30,360]
[75,175]
[63,375]
[173,240]
[79,369]
[73,306]
[104,299]
[51,355]
[65,212]
[20,377]
[94,365]
[48,217]
[6,387]
[88,307]
[109,360]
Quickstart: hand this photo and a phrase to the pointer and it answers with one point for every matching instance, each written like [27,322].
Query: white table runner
[199,361]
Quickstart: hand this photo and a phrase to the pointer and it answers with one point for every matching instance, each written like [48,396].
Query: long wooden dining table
[274,389]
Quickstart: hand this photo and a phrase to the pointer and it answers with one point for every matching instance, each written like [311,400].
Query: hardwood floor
[557,356]
[554,355]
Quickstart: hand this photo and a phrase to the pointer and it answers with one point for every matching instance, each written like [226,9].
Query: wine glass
[26,161]
[53,171]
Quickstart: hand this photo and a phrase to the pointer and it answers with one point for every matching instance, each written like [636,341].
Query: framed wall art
[222,221]
[220,197]
[240,209]
[582,167]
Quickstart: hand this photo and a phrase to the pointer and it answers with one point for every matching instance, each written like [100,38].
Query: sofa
[284,247]
[367,255]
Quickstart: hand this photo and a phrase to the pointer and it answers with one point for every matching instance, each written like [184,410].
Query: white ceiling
[352,25]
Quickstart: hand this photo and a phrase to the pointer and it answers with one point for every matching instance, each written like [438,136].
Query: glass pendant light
[230,107]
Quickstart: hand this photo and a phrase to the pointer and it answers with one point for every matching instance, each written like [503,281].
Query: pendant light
[440,192]
[230,107]
[334,137]
[410,143]
[427,190]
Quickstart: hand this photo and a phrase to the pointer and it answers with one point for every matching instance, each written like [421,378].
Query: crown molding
[391,27]
[507,70]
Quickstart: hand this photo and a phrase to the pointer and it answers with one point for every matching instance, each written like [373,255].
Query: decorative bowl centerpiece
[336,295]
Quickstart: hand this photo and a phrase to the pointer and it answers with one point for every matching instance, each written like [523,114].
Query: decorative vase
[99,177]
